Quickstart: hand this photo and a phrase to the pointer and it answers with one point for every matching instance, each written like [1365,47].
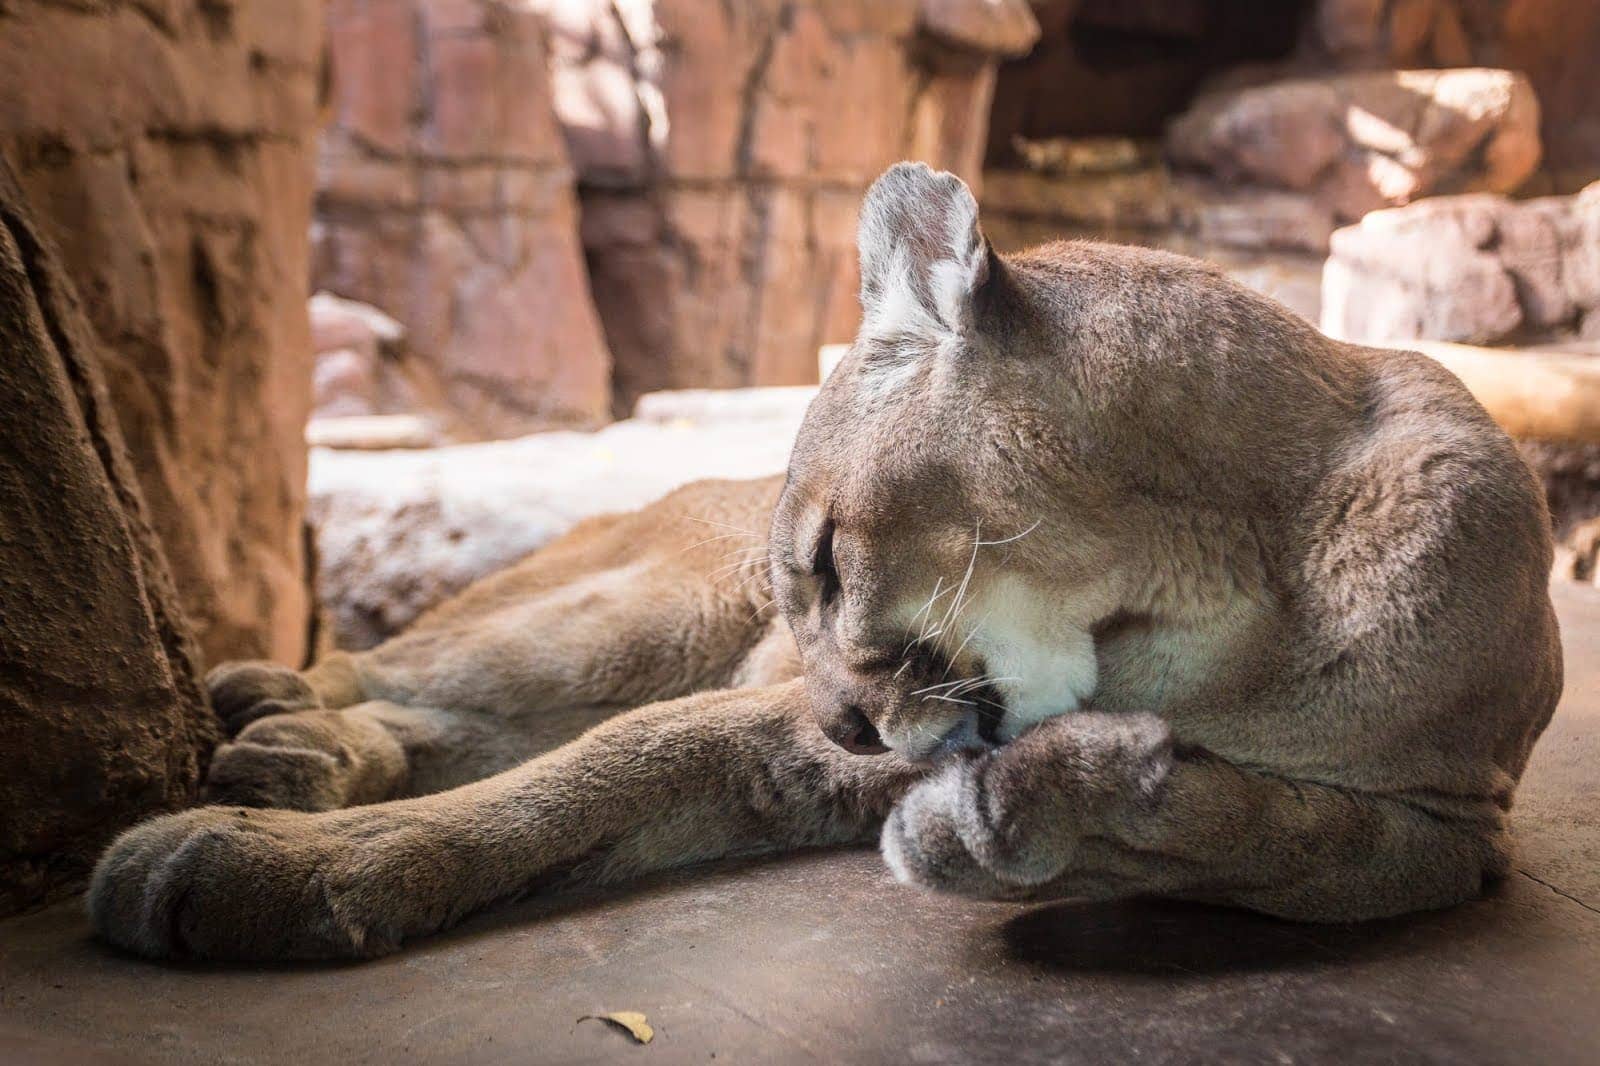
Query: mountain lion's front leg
[673,783]
[1105,805]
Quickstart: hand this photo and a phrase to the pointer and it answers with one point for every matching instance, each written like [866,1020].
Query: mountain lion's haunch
[1093,574]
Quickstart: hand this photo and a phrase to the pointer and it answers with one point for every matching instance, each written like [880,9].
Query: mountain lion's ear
[923,258]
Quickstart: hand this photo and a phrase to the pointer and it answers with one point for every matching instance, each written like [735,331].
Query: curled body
[1093,573]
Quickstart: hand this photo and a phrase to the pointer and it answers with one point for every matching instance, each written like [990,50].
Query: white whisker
[1008,540]
[933,688]
[950,660]
[720,536]
[722,525]
[954,611]
[926,614]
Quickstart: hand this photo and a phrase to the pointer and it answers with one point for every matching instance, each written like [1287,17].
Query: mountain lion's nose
[855,733]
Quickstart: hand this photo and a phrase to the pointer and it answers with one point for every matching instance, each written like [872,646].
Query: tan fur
[1150,588]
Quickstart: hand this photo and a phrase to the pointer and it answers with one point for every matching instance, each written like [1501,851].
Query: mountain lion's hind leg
[624,610]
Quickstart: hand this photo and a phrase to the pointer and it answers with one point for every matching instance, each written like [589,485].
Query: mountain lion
[1093,574]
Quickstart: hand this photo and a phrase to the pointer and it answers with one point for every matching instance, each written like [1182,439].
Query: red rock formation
[166,149]
[1126,66]
[101,716]
[723,149]
[445,200]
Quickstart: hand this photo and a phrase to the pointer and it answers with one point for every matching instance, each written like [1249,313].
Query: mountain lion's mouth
[977,730]
[984,706]
[990,711]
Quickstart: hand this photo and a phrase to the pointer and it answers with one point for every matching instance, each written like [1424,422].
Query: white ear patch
[953,281]
[922,255]
[896,307]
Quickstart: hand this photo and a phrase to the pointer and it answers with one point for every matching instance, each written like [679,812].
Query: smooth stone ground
[820,957]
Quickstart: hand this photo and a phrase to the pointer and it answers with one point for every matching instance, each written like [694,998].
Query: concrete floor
[820,958]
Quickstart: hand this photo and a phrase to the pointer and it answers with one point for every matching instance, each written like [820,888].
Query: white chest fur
[1040,653]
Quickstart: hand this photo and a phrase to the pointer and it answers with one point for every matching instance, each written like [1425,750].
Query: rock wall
[101,716]
[1479,269]
[166,149]
[445,199]
[723,149]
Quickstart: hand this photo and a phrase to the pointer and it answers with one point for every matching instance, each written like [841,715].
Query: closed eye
[822,564]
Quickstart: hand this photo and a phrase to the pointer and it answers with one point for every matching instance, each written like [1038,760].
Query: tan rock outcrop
[1361,142]
[1478,269]
[101,716]
[723,149]
[445,199]
[1554,42]
[166,150]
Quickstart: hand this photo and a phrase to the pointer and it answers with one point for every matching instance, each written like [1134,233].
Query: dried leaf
[629,1021]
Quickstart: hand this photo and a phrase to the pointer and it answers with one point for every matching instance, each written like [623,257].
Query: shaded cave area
[1125,68]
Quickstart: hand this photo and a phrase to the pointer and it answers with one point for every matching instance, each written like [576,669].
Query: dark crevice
[207,288]
[1115,69]
[750,91]
[217,17]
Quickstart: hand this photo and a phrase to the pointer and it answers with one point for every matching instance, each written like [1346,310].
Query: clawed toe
[242,692]
[924,844]
[225,882]
[258,775]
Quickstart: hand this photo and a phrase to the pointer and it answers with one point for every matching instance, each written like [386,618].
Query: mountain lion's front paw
[923,841]
[224,882]
[295,778]
[1014,817]
[244,691]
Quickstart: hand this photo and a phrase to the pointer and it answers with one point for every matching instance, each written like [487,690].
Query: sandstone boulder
[368,380]
[166,151]
[445,199]
[1113,205]
[723,150]
[1003,28]
[1553,41]
[101,716]
[355,345]
[1478,269]
[1253,217]
[1147,202]
[1360,142]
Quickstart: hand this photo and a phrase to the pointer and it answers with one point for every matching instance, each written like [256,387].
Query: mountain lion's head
[936,551]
